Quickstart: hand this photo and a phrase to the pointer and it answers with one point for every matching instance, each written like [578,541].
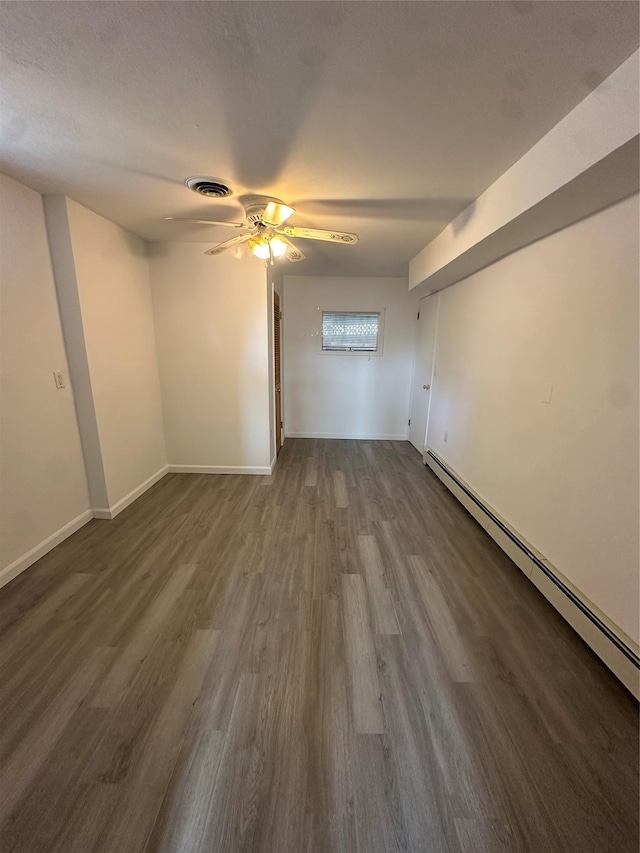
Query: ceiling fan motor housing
[254,207]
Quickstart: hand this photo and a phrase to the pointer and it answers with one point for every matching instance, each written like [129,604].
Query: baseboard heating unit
[613,647]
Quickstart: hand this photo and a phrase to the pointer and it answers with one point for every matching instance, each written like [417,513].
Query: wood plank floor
[334,658]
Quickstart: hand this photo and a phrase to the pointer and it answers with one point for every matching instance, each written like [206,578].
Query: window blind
[353,331]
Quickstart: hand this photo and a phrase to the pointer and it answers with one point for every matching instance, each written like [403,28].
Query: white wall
[347,396]
[212,329]
[562,312]
[43,488]
[102,274]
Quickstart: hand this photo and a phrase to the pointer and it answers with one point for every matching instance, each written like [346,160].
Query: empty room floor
[334,658]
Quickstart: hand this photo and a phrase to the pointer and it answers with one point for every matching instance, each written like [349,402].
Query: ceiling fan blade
[317,234]
[205,222]
[275,213]
[234,241]
[293,254]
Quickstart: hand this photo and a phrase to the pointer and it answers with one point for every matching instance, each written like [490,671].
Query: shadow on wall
[134,244]
[461,221]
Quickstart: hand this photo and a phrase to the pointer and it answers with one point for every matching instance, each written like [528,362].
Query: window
[353,331]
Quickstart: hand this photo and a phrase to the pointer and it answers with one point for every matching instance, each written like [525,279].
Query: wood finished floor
[334,658]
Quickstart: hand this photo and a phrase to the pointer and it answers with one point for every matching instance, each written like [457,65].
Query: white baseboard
[112,511]
[612,645]
[48,544]
[358,437]
[273,464]
[218,469]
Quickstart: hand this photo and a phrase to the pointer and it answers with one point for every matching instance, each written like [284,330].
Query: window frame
[369,353]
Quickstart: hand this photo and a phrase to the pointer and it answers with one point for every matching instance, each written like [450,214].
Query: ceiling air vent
[209,187]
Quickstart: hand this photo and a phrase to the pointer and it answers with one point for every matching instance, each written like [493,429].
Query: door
[277,317]
[423,372]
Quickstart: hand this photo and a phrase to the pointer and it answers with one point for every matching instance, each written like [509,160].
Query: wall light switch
[548,391]
[57,375]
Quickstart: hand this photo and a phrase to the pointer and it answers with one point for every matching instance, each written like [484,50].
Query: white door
[423,372]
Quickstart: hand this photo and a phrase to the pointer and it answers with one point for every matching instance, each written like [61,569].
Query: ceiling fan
[265,235]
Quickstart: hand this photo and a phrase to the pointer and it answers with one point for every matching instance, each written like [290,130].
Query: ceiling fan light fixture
[278,247]
[283,212]
[275,213]
[259,246]
[263,246]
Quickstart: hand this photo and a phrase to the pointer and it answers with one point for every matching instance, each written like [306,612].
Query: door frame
[277,370]
[436,296]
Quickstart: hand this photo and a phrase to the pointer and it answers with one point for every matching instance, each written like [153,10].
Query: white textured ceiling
[384,118]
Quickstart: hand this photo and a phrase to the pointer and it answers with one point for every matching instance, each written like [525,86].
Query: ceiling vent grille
[209,187]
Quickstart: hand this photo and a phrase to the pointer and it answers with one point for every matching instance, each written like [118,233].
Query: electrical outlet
[59,380]
[446,436]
